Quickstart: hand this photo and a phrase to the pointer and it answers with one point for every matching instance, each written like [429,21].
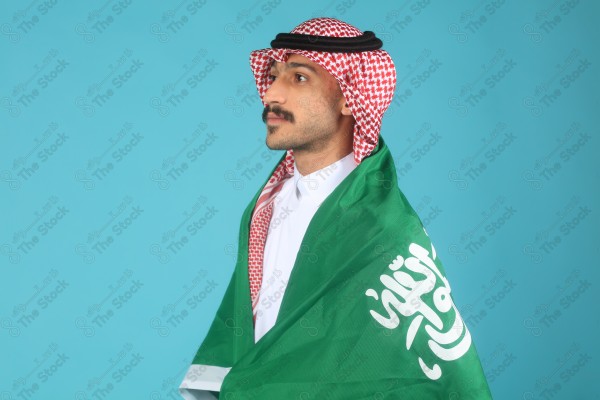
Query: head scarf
[367,79]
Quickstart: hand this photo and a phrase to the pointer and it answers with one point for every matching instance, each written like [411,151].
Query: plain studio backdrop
[131,142]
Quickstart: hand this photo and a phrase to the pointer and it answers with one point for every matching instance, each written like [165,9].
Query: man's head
[328,81]
[305,108]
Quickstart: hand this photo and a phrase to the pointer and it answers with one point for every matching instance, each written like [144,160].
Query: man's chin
[274,143]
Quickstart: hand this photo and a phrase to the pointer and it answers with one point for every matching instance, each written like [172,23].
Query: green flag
[367,313]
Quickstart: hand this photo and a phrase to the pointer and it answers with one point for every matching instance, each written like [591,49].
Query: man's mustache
[280,112]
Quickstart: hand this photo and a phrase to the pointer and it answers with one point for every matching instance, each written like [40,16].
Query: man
[338,292]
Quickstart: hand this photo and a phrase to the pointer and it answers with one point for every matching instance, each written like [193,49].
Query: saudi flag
[367,313]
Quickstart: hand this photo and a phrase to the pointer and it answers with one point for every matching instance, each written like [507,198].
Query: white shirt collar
[315,187]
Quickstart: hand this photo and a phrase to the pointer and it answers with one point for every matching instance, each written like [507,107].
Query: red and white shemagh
[367,80]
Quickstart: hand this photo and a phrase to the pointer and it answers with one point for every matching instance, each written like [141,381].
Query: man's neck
[309,162]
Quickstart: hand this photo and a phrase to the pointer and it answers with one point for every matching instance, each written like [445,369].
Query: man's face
[305,106]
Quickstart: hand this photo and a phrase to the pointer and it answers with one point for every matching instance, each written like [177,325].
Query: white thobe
[294,207]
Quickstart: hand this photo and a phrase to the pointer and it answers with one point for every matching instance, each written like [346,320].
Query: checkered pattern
[259,226]
[367,80]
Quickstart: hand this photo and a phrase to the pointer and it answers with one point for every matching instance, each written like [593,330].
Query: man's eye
[301,78]
[272,77]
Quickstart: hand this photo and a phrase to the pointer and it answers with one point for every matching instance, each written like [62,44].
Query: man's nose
[276,93]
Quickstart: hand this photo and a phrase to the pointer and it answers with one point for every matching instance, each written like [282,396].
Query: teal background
[131,142]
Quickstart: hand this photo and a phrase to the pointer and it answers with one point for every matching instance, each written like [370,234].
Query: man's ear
[346,109]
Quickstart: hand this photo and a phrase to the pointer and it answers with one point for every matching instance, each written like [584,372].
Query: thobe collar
[315,187]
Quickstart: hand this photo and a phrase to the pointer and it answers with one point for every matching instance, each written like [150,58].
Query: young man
[338,292]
